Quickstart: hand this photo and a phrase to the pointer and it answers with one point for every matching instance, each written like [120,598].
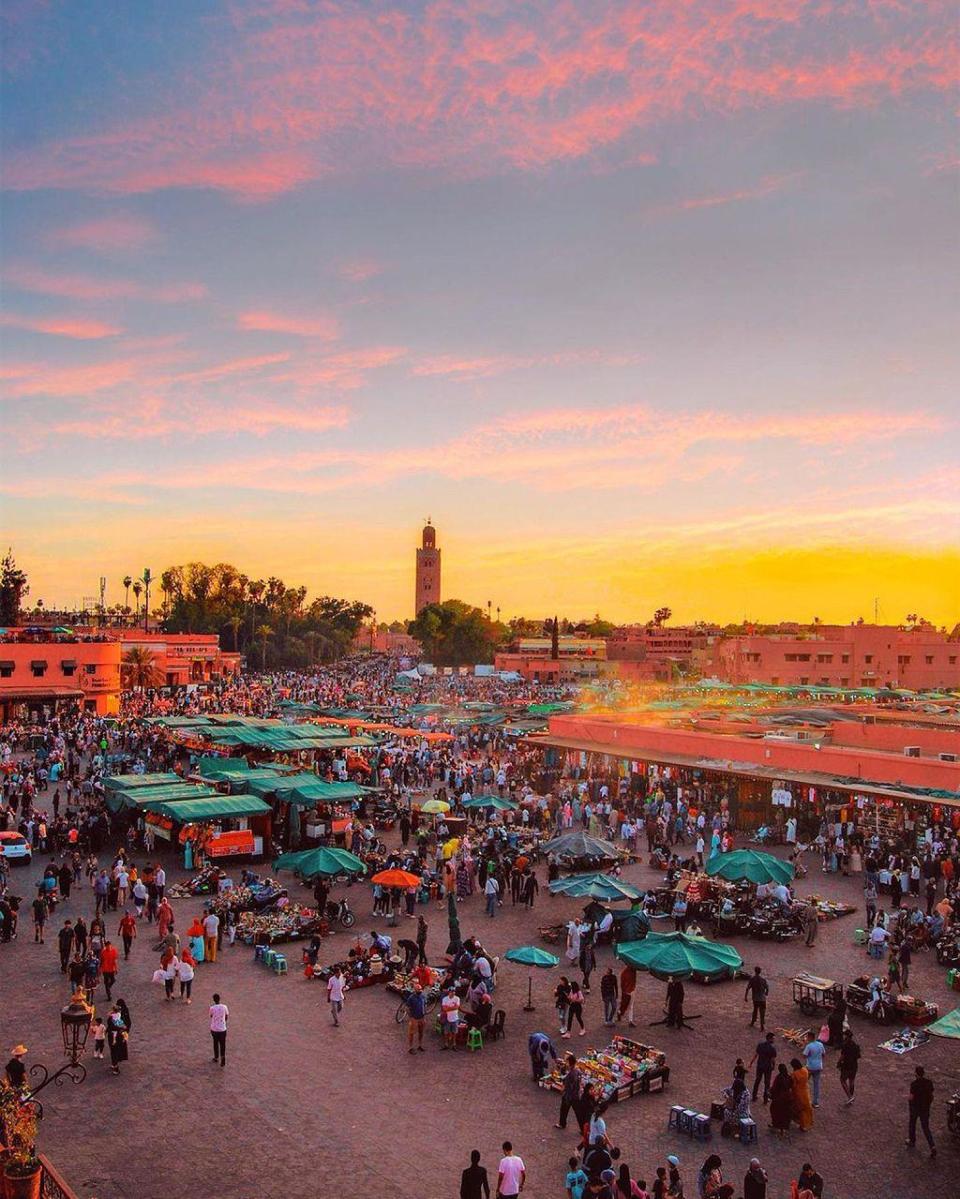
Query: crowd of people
[105,888]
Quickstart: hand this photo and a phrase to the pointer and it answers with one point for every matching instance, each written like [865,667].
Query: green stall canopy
[751,865]
[186,811]
[677,955]
[136,782]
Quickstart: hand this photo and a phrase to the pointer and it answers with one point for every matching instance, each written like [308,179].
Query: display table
[623,1069]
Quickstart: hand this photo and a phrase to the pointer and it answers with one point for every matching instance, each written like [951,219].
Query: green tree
[456,634]
[13,588]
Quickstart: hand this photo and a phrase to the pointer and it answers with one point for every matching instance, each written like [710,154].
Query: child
[576,1180]
[99,1030]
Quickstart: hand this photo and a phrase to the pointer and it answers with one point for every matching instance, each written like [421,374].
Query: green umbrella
[678,955]
[531,956]
[947,1026]
[751,865]
[327,860]
[580,845]
[595,886]
[491,801]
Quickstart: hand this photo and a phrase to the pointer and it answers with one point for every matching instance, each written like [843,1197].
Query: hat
[18,1051]
[608,1176]
[673,1159]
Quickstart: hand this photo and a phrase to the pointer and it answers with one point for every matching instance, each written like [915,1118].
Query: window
[845,658]
[6,670]
[774,681]
[69,667]
[90,668]
[952,659]
[903,660]
[824,657]
[804,678]
[825,680]
[38,669]
[868,658]
[845,682]
[929,659]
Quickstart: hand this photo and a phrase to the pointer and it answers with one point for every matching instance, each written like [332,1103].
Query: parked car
[14,847]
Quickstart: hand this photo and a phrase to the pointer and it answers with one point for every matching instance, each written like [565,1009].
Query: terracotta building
[428,569]
[840,656]
[182,658]
[43,671]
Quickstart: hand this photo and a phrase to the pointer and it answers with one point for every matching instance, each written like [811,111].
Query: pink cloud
[154,418]
[73,327]
[122,231]
[89,287]
[766,187]
[30,379]
[304,90]
[232,367]
[360,270]
[322,325]
[481,367]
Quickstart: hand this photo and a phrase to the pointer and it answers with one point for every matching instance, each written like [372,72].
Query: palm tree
[139,670]
[137,592]
[264,631]
[234,624]
[126,591]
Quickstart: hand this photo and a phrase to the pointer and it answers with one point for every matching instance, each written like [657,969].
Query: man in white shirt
[450,1013]
[336,986]
[219,1015]
[211,926]
[511,1175]
[492,891]
[160,878]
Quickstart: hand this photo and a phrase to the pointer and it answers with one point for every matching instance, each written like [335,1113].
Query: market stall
[621,1070]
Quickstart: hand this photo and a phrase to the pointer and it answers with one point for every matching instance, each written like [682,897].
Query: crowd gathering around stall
[471,813]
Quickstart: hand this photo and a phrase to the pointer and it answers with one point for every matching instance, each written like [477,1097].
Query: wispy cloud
[308,90]
[455,366]
[77,328]
[123,231]
[359,270]
[323,326]
[94,287]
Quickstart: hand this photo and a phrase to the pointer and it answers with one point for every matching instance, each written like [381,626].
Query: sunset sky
[644,302]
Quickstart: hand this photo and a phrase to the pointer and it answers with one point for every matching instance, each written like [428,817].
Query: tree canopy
[456,634]
[13,588]
[198,598]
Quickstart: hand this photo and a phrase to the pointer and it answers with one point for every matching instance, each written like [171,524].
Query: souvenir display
[623,1069]
[906,1039]
[285,924]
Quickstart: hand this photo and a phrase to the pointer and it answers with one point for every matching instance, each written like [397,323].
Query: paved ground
[306,1110]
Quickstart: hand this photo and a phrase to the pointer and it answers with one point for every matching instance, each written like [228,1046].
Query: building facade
[840,656]
[428,570]
[182,658]
[40,673]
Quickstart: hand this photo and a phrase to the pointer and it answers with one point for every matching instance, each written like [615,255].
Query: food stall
[621,1070]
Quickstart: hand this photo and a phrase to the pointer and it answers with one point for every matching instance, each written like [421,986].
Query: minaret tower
[428,569]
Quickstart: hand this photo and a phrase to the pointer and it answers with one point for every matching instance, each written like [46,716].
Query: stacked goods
[285,924]
[403,983]
[829,909]
[623,1069]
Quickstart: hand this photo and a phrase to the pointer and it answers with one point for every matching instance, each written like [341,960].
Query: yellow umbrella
[450,848]
[434,806]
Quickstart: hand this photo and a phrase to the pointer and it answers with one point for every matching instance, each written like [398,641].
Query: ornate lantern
[75,1020]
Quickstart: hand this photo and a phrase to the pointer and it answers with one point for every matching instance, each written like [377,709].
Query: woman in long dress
[116,1039]
[781,1100]
[802,1108]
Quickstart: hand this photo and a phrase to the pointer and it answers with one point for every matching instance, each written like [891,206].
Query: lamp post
[75,1020]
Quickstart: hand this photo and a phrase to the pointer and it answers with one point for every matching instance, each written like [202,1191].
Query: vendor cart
[890,1009]
[816,994]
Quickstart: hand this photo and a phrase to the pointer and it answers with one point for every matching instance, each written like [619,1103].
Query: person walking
[801,1111]
[570,1095]
[870,900]
[211,926]
[491,889]
[755,1181]
[219,1015]
[609,993]
[336,987]
[814,1053]
[511,1173]
[39,907]
[109,963]
[811,923]
[921,1100]
[765,1055]
[474,1183]
[422,930]
[128,931]
[186,972]
[757,989]
[628,988]
[416,1017]
[848,1064]
[574,1010]
[118,1035]
[65,945]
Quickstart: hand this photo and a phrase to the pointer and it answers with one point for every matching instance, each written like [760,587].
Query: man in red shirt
[109,960]
[127,930]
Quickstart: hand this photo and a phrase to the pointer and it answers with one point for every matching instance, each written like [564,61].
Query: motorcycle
[338,912]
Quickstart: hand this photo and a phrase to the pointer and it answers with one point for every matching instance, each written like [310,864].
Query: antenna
[876,610]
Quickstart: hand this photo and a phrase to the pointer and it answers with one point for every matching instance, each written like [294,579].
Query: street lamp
[75,1020]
